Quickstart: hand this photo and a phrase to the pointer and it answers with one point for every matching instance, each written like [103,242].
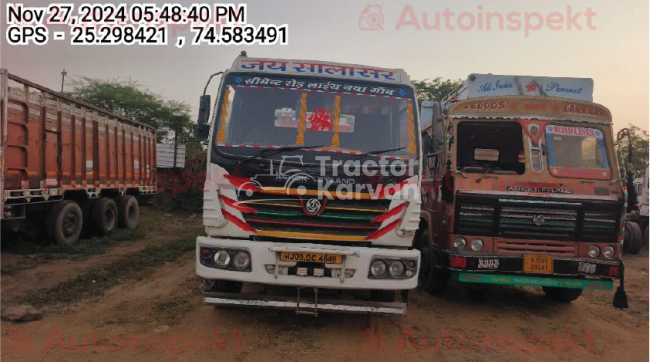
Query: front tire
[633,240]
[432,279]
[565,295]
[64,223]
[104,216]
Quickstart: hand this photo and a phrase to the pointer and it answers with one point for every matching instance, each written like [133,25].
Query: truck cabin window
[274,115]
[576,147]
[490,147]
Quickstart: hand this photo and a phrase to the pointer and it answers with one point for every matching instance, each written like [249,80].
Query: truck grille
[287,214]
[538,219]
[534,247]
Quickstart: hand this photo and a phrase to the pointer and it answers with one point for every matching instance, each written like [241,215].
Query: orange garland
[409,110]
[337,118]
[221,136]
[300,139]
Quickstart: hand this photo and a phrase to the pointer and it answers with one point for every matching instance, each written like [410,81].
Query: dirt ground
[156,313]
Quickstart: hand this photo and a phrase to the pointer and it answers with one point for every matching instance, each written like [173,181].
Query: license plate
[538,264]
[311,257]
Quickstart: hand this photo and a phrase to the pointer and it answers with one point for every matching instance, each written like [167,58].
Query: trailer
[68,166]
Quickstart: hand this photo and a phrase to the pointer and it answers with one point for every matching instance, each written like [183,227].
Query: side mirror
[201,132]
[204,109]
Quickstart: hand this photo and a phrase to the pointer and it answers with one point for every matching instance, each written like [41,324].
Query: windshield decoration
[411,118]
[534,129]
[312,68]
[337,118]
[320,120]
[300,139]
[577,152]
[221,136]
[323,87]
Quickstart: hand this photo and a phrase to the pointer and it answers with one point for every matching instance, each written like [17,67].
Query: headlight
[396,269]
[594,251]
[378,268]
[241,260]
[222,258]
[460,242]
[609,252]
[476,244]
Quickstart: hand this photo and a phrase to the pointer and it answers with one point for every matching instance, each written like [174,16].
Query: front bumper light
[594,251]
[386,268]
[609,252]
[228,259]
[378,268]
[460,242]
[476,244]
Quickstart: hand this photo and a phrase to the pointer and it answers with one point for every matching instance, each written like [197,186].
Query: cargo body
[56,148]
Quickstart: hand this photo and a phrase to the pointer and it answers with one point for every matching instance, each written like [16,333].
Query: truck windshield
[269,110]
[490,147]
[577,152]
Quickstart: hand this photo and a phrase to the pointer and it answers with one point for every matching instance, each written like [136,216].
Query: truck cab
[312,188]
[521,187]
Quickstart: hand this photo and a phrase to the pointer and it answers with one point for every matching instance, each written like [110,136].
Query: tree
[639,141]
[436,89]
[133,101]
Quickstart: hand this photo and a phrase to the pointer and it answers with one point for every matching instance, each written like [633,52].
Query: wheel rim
[70,224]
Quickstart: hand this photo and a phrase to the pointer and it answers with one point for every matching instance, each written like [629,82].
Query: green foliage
[639,140]
[436,89]
[131,100]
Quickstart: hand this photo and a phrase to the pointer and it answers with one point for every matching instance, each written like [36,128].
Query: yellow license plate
[311,257]
[538,264]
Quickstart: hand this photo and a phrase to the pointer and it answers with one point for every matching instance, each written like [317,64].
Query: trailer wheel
[644,224]
[566,295]
[645,237]
[64,223]
[128,211]
[104,216]
[226,286]
[432,279]
[633,237]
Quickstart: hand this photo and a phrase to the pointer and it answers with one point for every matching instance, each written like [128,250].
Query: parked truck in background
[68,165]
[522,187]
[281,212]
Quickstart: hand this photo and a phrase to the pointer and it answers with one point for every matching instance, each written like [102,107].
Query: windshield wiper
[384,151]
[273,151]
[378,152]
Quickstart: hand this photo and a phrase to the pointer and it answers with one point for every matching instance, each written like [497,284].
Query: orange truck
[68,165]
[521,186]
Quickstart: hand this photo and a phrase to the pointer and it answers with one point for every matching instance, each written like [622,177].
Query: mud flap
[620,297]
[288,303]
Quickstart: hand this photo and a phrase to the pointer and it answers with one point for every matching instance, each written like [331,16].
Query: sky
[611,47]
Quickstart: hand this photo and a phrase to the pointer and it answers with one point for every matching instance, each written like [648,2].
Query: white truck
[312,193]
